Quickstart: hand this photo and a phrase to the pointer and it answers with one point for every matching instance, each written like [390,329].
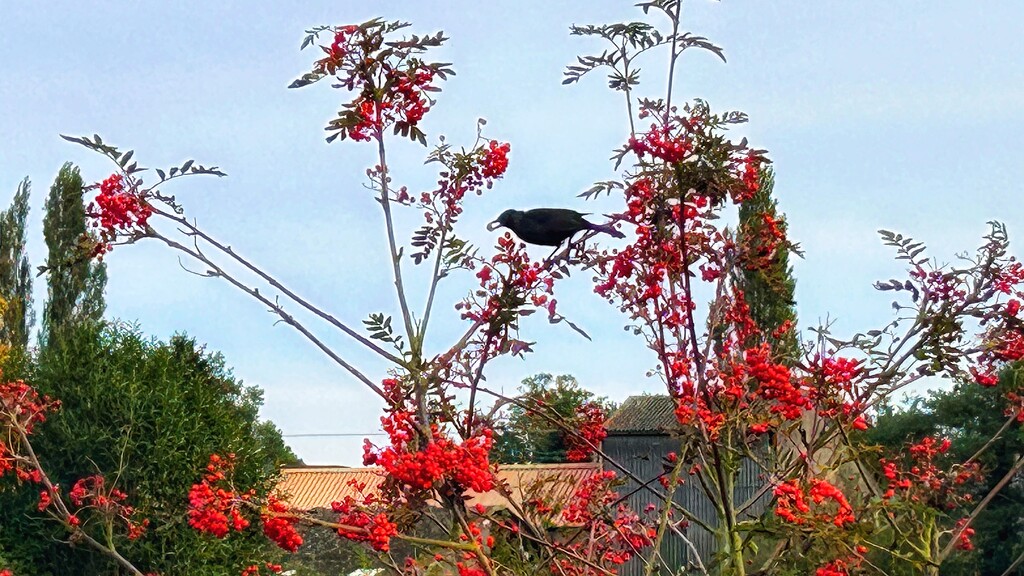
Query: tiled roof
[643,414]
[316,487]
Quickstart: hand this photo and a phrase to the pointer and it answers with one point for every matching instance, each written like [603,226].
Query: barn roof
[644,415]
[312,487]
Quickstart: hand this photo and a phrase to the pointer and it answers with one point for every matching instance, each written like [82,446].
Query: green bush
[147,415]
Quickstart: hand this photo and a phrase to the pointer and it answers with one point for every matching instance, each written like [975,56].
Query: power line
[329,435]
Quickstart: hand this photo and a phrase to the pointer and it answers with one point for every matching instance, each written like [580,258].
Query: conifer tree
[15,274]
[769,291]
[75,282]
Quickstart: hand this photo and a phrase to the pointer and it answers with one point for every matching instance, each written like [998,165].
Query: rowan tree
[829,505]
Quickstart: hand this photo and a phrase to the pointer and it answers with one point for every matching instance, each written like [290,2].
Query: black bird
[548,226]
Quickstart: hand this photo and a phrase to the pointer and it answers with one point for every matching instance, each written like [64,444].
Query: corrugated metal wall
[643,455]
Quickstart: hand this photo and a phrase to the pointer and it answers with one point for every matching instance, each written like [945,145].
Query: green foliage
[147,415]
[379,327]
[969,415]
[75,283]
[638,36]
[15,274]
[381,55]
[523,435]
[770,291]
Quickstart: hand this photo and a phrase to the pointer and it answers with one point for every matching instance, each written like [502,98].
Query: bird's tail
[607,229]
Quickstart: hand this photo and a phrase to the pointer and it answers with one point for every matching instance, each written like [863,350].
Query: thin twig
[1016,564]
[196,232]
[435,279]
[277,309]
[605,457]
[396,257]
[980,507]
[1009,422]
[63,510]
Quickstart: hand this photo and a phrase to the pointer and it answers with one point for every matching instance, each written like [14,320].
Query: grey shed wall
[643,453]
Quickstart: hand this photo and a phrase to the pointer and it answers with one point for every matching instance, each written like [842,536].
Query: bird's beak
[491,227]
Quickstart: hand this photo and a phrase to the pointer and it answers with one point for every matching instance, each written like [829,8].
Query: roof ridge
[644,413]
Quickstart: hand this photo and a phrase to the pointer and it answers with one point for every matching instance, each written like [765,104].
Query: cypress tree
[770,290]
[75,283]
[15,274]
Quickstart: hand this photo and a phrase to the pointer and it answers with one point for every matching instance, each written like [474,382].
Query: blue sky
[877,114]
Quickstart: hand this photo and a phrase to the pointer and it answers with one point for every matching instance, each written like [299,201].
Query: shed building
[641,434]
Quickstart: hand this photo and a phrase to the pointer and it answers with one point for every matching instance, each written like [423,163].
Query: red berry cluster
[91,493]
[616,533]
[1009,277]
[775,384]
[360,525]
[1004,337]
[793,503]
[693,410]
[589,428]
[834,389]
[985,376]
[662,144]
[511,284]
[45,500]
[922,478]
[495,160]
[279,525]
[590,500]
[844,566]
[1015,406]
[393,89]
[419,465]
[21,408]
[117,212]
[214,508]
[963,541]
[466,569]
[254,569]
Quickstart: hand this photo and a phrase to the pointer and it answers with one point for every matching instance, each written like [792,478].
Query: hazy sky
[877,114]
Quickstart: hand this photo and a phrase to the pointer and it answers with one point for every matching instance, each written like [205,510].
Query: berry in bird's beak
[492,226]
